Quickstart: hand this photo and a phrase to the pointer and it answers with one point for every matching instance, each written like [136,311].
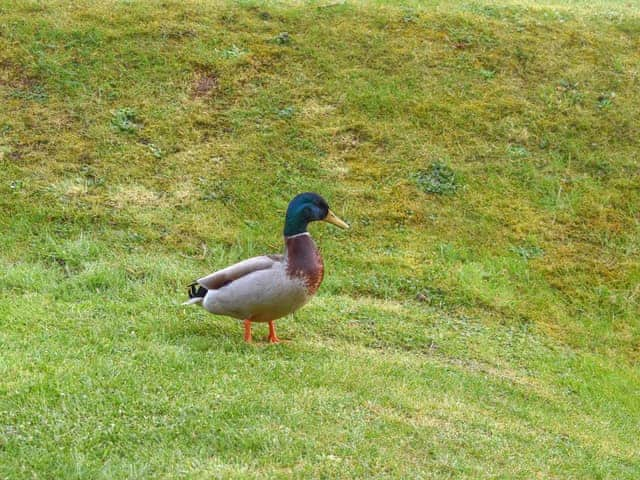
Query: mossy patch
[439,178]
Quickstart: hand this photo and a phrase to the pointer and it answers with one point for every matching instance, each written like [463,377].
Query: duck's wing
[227,275]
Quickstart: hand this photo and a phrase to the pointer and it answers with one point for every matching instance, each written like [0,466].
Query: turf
[479,320]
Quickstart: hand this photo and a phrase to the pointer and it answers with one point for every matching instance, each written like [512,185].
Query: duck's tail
[196,294]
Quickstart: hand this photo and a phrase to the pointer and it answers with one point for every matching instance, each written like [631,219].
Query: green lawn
[481,319]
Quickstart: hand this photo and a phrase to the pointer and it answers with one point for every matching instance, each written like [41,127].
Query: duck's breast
[304,262]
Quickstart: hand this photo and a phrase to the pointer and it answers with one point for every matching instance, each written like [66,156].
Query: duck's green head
[308,207]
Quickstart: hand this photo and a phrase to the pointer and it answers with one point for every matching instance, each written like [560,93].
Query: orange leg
[273,338]
[247,331]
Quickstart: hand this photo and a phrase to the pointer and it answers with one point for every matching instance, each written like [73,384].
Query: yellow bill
[332,218]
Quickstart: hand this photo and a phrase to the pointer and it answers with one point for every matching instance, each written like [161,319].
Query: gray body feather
[258,288]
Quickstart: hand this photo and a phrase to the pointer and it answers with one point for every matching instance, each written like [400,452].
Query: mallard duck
[268,287]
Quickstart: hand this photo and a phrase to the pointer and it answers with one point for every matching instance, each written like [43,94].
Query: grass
[489,332]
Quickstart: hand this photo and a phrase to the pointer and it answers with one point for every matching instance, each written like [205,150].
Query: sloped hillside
[479,320]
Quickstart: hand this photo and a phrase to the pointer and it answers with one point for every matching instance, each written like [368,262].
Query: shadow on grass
[217,333]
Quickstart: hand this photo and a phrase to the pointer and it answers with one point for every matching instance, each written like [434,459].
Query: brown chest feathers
[304,261]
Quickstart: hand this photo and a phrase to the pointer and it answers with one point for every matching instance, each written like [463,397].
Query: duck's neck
[295,224]
[303,260]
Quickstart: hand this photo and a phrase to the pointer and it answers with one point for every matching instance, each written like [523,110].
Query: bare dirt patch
[205,83]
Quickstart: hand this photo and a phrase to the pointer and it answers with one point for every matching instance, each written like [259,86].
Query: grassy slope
[436,348]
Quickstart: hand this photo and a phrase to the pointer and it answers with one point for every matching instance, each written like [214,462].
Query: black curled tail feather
[197,291]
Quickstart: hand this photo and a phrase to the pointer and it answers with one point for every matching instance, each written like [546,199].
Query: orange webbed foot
[273,338]
[247,331]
